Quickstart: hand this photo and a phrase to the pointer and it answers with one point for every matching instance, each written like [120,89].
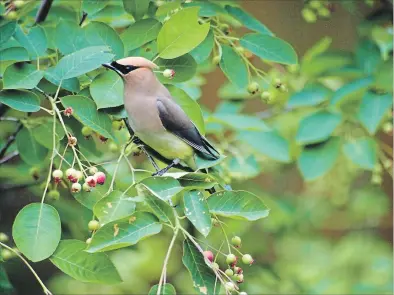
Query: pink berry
[209,255]
[57,175]
[76,188]
[68,111]
[100,177]
[70,174]
[91,181]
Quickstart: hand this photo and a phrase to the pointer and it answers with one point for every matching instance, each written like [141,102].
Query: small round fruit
[71,174]
[324,12]
[243,293]
[239,278]
[93,170]
[247,259]
[68,111]
[34,172]
[229,272]
[3,237]
[78,175]
[387,163]
[6,254]
[253,88]
[76,188]
[378,168]
[238,270]
[93,225]
[169,73]
[236,241]
[19,3]
[230,287]
[265,95]
[308,15]
[209,255]
[283,88]
[100,177]
[224,28]
[377,179]
[315,4]
[54,194]
[215,266]
[216,60]
[86,131]
[57,173]
[72,141]
[113,147]
[11,15]
[231,259]
[387,127]
[91,181]
[88,241]
[86,187]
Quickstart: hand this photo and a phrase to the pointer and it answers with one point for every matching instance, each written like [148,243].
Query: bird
[157,121]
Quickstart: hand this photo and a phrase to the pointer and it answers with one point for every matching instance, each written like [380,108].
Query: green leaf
[240,122]
[140,33]
[197,211]
[311,95]
[7,29]
[166,289]
[207,9]
[317,160]
[202,163]
[184,66]
[35,41]
[202,51]
[124,232]
[5,285]
[71,259]
[373,109]
[36,231]
[89,199]
[362,152]
[243,168]
[317,127]
[189,106]
[326,61]
[137,8]
[107,90]
[383,77]
[237,205]
[167,7]
[270,48]
[14,53]
[21,100]
[160,208]
[69,37]
[21,76]
[101,34]
[43,133]
[202,275]
[68,84]
[384,39]
[319,47]
[195,180]
[81,62]
[247,20]
[29,149]
[114,206]
[162,187]
[269,143]
[174,38]
[352,90]
[234,67]
[85,111]
[93,6]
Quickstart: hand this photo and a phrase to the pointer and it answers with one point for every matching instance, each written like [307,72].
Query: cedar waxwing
[157,120]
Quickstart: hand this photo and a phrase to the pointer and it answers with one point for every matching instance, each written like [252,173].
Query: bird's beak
[113,66]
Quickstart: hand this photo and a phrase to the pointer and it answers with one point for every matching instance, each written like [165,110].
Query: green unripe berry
[376,179]
[283,88]
[88,241]
[315,4]
[113,147]
[308,15]
[19,3]
[3,237]
[387,127]
[387,163]
[265,95]
[224,27]
[169,73]
[11,15]
[93,170]
[34,172]
[253,87]
[86,131]
[378,168]
[54,195]
[247,259]
[216,60]
[230,287]
[239,278]
[6,254]
[229,272]
[231,259]
[93,225]
[243,293]
[324,12]
[215,266]
[236,241]
[86,187]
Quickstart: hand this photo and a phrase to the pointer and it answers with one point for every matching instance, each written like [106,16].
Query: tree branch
[43,11]
[10,140]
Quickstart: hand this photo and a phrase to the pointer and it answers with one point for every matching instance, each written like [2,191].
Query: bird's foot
[164,170]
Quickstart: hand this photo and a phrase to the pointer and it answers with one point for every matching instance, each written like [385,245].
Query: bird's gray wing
[175,120]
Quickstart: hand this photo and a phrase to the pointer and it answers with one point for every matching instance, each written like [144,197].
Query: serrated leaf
[238,205]
[35,41]
[14,54]
[234,67]
[162,187]
[197,211]
[21,100]
[114,206]
[270,48]
[137,8]
[85,111]
[107,90]
[372,110]
[29,149]
[174,37]
[184,66]
[36,231]
[362,152]
[202,51]
[81,62]
[166,289]
[311,95]
[202,275]
[7,29]
[71,259]
[21,76]
[189,106]
[140,33]
[351,90]
[317,160]
[124,232]
[317,127]
[247,20]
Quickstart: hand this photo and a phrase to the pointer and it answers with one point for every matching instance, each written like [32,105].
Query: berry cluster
[316,8]
[12,7]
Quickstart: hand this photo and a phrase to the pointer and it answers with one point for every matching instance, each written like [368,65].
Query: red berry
[100,177]
[68,111]
[71,174]
[91,181]
[238,270]
[209,255]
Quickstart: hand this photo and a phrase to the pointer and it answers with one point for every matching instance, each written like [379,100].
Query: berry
[283,88]
[324,12]
[315,4]
[86,187]
[3,237]
[88,241]
[93,225]
[57,175]
[76,188]
[230,287]
[225,28]
[71,174]
[229,272]
[35,173]
[238,270]
[236,241]
[93,170]
[231,259]
[378,168]
[68,111]
[209,255]
[169,73]
[6,254]
[277,83]
[54,194]
[239,278]
[215,222]
[215,266]
[216,59]
[388,127]
[247,259]
[91,181]
[100,177]
[113,147]
[243,293]
[11,15]
[86,131]
[78,175]
[387,163]
[116,125]
[265,95]
[377,179]
[19,3]
[308,15]
[72,141]
[253,88]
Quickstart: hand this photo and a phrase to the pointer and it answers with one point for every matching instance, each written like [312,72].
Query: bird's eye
[128,68]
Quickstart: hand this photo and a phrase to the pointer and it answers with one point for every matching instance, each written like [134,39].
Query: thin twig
[10,140]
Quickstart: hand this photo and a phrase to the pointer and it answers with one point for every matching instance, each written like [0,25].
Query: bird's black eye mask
[120,69]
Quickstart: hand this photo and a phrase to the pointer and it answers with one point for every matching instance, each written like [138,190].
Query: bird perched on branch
[157,120]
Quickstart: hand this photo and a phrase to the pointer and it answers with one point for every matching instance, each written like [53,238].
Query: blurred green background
[330,236]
